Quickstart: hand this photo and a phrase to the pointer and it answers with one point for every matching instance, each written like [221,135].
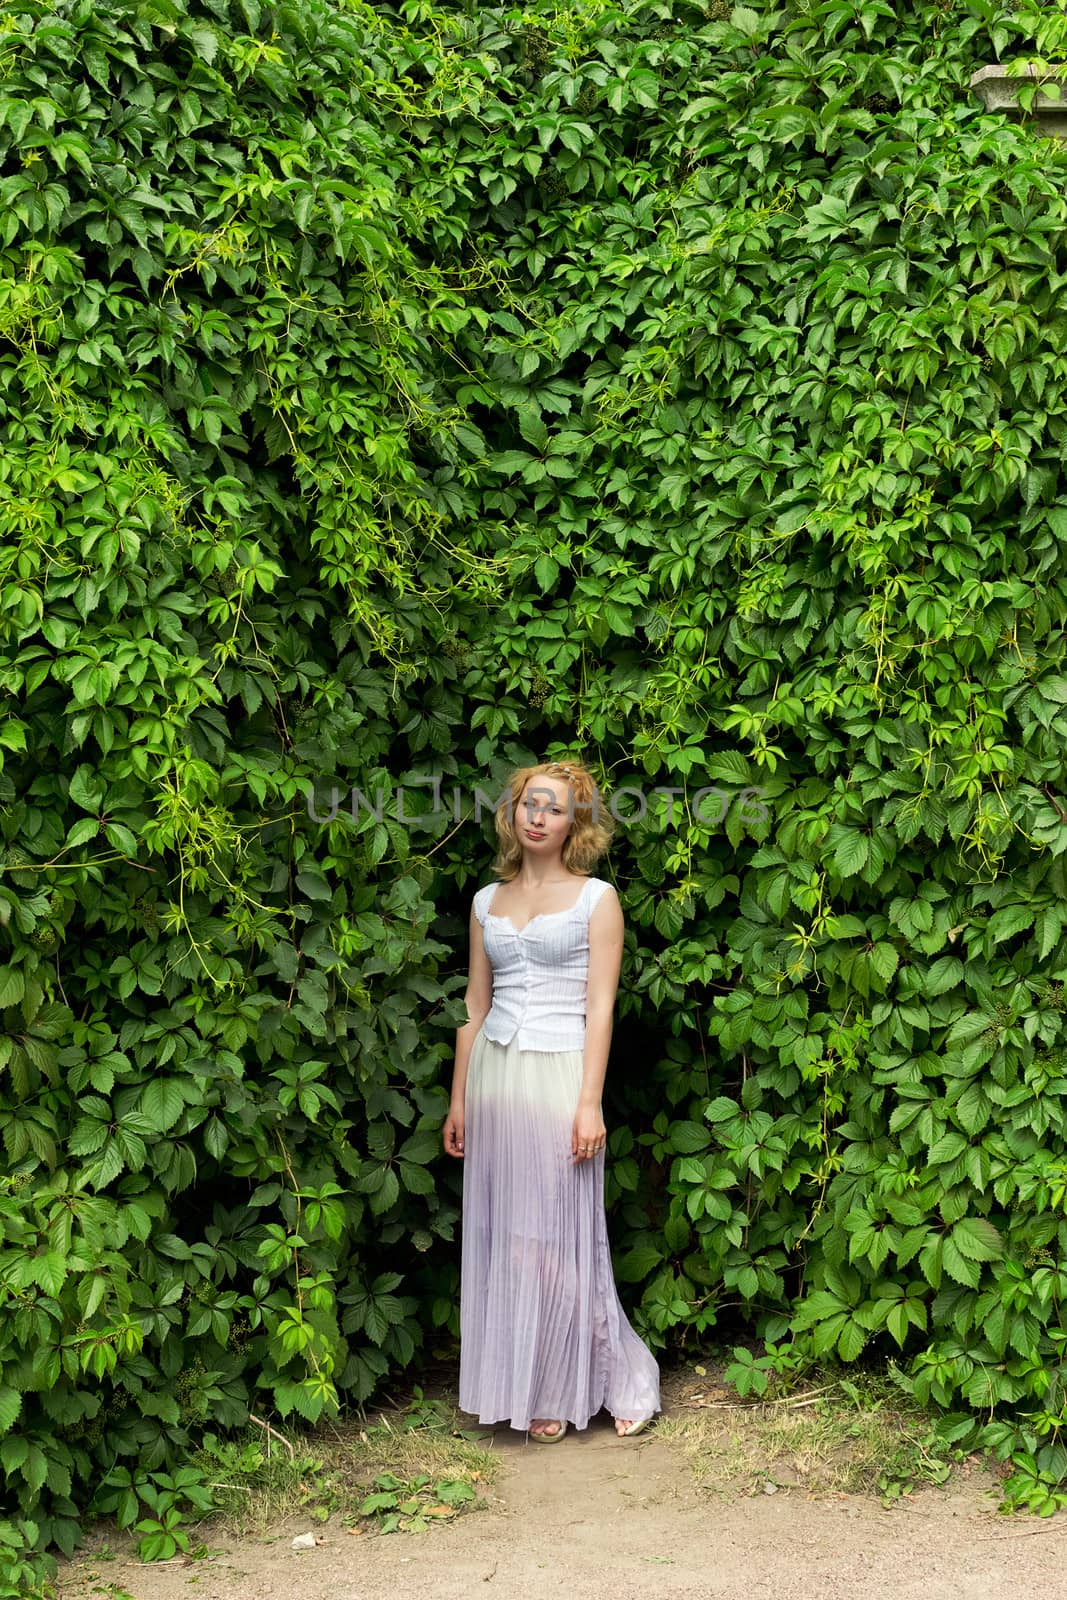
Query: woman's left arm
[606,928]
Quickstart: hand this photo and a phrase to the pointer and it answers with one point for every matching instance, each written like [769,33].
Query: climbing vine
[396,393]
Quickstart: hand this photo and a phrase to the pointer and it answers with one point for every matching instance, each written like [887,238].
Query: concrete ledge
[998,90]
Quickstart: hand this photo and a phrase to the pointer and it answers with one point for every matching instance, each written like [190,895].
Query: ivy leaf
[512,461]
[978,1239]
[851,1340]
[687,1137]
[973,1108]
[205,42]
[1010,920]
[10,1406]
[86,788]
[957,1265]
[826,219]
[947,1148]
[533,429]
[637,1263]
[721,1109]
[885,959]
[162,1103]
[851,854]
[1048,927]
[12,985]
[547,571]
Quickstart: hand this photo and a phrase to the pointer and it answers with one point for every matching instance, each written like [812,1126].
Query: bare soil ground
[671,1514]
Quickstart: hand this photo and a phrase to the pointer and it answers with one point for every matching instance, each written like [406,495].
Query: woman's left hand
[589,1135]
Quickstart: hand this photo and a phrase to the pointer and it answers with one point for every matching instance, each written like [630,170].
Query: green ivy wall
[394,394]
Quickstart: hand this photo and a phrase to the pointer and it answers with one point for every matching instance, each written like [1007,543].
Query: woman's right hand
[453,1133]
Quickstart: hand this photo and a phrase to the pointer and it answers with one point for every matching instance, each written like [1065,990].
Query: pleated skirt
[542,1330]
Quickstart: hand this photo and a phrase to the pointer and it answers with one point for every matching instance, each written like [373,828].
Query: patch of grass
[397,1472]
[830,1434]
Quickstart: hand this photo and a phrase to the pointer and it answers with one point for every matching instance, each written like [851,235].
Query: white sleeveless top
[540,972]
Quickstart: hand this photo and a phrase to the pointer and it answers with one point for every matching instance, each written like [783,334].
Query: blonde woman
[544,1340]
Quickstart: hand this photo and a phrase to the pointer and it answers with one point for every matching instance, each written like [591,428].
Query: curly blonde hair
[591,831]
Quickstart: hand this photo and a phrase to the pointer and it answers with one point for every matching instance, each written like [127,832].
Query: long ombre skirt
[543,1332]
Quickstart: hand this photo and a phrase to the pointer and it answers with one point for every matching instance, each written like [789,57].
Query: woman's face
[542,818]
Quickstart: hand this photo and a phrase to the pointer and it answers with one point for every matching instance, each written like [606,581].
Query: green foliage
[754,1374]
[408,1505]
[394,393]
[168,1496]
[219,1102]
[25,1570]
[433,1464]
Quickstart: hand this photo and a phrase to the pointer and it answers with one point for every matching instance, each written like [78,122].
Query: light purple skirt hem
[579,1427]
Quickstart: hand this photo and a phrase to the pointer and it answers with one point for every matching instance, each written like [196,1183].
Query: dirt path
[596,1518]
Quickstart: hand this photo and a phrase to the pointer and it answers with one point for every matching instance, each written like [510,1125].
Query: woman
[544,1338]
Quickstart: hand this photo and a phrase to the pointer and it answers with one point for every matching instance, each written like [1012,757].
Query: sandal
[635,1427]
[550,1438]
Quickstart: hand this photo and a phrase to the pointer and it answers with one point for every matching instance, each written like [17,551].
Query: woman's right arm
[477,999]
